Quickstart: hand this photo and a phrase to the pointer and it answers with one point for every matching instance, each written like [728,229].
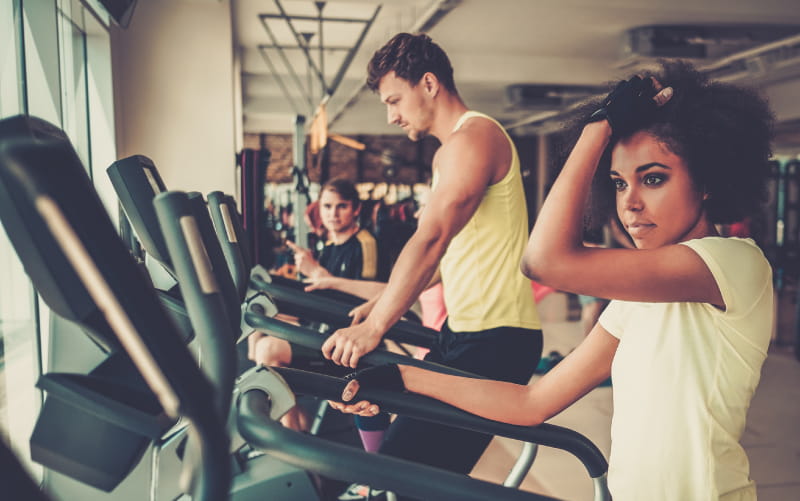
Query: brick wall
[386,158]
[391,159]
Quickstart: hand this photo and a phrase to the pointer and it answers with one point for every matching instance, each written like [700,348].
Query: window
[19,361]
[74,99]
[55,64]
[10,90]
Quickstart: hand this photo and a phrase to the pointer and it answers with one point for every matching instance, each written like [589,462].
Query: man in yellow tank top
[472,234]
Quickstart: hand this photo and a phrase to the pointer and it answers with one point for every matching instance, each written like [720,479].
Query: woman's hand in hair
[631,104]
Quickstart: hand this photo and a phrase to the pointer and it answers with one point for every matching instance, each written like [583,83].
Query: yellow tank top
[483,286]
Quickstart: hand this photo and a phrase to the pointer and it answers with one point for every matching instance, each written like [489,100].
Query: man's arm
[466,167]
[435,279]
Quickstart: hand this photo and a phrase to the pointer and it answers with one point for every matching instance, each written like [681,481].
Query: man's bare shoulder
[481,129]
[478,140]
[476,136]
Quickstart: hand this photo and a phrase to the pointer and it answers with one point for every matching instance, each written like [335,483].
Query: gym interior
[264,101]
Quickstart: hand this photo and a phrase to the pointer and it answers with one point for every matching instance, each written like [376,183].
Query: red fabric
[740,229]
[434,313]
[540,291]
[313,218]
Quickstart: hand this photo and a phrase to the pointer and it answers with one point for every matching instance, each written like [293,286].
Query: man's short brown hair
[410,57]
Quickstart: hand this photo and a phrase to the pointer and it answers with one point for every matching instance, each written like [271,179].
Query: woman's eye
[619,184]
[653,179]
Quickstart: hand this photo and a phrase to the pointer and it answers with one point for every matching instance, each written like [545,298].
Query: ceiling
[493,44]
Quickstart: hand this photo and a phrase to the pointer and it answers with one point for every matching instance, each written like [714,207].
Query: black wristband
[381,377]
[628,107]
[600,114]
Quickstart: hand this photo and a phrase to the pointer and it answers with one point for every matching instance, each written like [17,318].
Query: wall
[783,99]
[407,162]
[173,85]
[414,165]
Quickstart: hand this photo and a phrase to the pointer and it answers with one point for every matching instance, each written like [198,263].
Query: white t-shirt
[684,374]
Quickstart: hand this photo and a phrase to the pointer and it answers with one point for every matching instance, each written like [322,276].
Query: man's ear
[431,84]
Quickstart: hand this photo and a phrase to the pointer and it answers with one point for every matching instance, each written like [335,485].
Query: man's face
[409,106]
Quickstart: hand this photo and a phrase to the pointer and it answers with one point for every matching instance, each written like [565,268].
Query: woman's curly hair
[410,57]
[722,131]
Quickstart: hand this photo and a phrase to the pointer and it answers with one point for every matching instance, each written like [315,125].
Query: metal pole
[522,466]
[321,44]
[301,189]
[541,171]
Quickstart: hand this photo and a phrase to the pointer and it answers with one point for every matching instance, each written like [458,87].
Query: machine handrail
[337,295]
[430,409]
[323,309]
[347,463]
[312,339]
[201,287]
[229,239]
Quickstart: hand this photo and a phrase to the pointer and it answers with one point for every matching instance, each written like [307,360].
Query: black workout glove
[628,107]
[380,377]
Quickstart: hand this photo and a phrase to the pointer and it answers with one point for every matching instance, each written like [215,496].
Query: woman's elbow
[530,411]
[531,265]
[553,270]
[526,416]
[532,419]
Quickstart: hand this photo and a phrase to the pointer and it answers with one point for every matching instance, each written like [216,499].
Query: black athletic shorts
[504,353]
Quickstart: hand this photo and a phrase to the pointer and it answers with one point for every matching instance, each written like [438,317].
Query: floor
[772,436]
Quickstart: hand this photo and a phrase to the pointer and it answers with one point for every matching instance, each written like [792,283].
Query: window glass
[99,12]
[102,147]
[40,36]
[55,64]
[74,100]
[10,90]
[19,361]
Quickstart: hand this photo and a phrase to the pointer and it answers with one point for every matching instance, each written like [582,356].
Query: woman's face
[657,200]
[337,214]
